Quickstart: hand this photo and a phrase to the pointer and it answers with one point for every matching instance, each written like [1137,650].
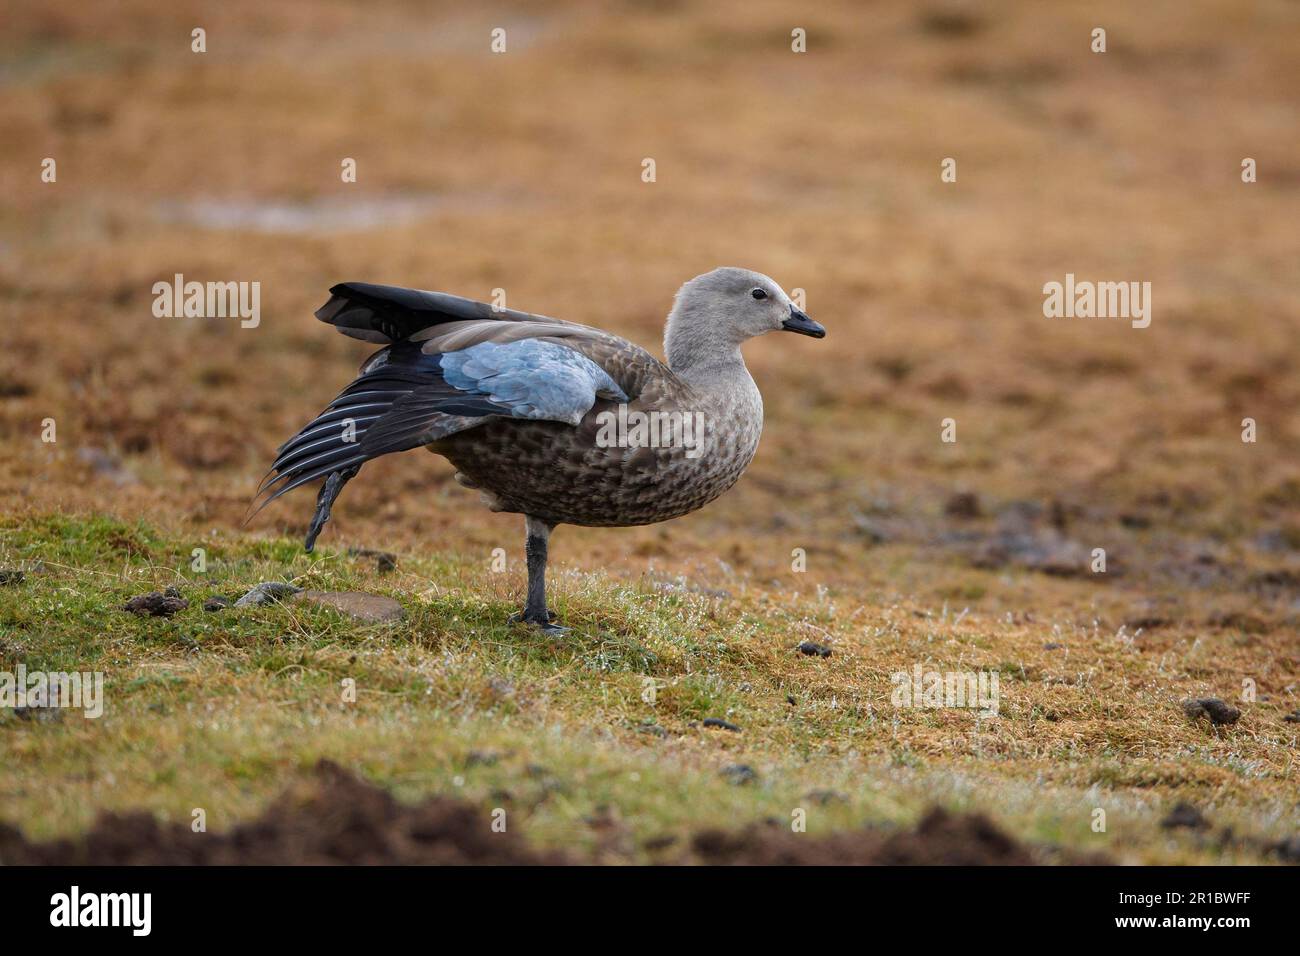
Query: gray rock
[719,722]
[369,608]
[268,592]
[739,774]
[813,649]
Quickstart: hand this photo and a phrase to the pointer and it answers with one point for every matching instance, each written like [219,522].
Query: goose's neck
[712,370]
[700,360]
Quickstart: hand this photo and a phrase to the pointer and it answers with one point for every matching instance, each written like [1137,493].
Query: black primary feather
[390,408]
[385,313]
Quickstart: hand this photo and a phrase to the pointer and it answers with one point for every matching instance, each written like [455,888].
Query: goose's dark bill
[801,323]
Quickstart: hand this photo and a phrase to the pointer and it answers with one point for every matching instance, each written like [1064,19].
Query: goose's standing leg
[535,547]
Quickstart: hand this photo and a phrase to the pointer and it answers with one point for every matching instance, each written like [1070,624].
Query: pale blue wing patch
[534,379]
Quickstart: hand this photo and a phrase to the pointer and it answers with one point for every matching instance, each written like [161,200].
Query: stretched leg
[535,547]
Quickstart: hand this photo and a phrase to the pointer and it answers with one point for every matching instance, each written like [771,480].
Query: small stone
[43,713]
[155,604]
[719,722]
[1146,622]
[1212,709]
[739,774]
[824,797]
[963,504]
[813,649]
[873,529]
[369,608]
[1288,849]
[217,602]
[268,592]
[1052,646]
[1185,815]
[1293,717]
[385,561]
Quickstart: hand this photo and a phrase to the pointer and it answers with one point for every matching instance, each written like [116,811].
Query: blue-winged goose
[559,422]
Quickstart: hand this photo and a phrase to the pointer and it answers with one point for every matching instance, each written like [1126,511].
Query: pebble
[719,722]
[268,592]
[739,774]
[368,608]
[813,649]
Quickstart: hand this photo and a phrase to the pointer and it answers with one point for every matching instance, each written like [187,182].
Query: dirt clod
[963,504]
[216,602]
[1288,850]
[1213,709]
[940,838]
[155,604]
[343,820]
[1185,815]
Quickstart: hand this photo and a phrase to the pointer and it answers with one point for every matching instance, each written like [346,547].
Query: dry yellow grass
[522,171]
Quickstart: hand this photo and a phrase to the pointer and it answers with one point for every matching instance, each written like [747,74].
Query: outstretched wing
[406,398]
[444,323]
[450,364]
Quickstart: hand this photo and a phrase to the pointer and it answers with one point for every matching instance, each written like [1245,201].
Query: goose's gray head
[717,311]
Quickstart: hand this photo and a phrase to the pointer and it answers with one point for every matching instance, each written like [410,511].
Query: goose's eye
[759,294]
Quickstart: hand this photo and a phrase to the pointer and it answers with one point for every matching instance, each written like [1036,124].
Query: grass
[224,710]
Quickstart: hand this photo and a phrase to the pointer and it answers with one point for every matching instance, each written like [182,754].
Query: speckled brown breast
[560,474]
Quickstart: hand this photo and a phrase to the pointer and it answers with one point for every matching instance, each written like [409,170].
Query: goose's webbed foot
[544,620]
